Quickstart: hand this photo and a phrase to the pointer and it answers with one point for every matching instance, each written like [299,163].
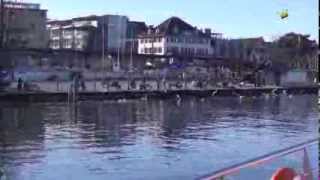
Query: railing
[221,174]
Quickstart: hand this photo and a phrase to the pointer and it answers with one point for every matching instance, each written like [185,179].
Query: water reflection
[21,137]
[154,139]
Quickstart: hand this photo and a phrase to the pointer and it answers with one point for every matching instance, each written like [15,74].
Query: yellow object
[284,14]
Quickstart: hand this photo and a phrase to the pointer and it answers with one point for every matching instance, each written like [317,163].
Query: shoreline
[137,94]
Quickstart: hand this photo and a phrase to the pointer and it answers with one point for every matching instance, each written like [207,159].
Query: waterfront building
[72,34]
[134,29]
[248,49]
[91,33]
[177,38]
[24,26]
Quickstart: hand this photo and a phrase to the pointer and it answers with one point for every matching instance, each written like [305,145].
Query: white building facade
[70,35]
[92,33]
[175,37]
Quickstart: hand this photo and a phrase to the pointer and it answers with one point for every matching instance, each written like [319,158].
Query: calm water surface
[152,139]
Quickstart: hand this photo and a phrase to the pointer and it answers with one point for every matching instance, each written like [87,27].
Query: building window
[141,41]
[160,50]
[55,33]
[67,43]
[67,33]
[43,14]
[55,44]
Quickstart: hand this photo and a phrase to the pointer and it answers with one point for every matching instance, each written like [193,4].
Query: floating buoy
[284,174]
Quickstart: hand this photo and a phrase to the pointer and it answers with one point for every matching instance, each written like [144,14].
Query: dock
[126,94]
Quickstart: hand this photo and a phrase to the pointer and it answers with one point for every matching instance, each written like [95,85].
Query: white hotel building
[89,33]
[177,38]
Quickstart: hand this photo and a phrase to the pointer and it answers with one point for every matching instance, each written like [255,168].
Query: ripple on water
[144,140]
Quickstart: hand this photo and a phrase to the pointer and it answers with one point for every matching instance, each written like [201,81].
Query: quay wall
[32,97]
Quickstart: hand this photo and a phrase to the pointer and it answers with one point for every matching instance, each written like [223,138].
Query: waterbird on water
[266,95]
[122,100]
[144,98]
[178,99]
[214,92]
[236,94]
[273,92]
[284,92]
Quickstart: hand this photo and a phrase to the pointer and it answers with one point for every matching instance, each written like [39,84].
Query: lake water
[153,139]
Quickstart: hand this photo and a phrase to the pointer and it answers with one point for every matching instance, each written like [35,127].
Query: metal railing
[221,174]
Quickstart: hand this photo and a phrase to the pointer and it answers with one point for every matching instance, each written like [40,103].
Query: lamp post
[131,51]
[103,44]
[119,44]
[2,24]
[103,48]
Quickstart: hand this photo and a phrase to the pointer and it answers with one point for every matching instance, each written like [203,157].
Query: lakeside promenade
[120,94]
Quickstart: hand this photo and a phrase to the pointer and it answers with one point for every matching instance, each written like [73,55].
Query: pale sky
[233,18]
